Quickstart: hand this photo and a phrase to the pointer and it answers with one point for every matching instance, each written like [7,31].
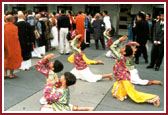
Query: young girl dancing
[57,94]
[123,87]
[107,35]
[81,70]
[48,69]
[130,64]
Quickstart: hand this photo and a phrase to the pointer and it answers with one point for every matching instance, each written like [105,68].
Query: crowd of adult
[28,34]
[40,32]
[145,29]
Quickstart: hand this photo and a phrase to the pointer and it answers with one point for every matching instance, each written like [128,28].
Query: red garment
[80,20]
[109,43]
[12,49]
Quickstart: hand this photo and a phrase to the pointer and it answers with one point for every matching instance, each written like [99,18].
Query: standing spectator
[39,42]
[42,20]
[63,27]
[142,32]
[71,20]
[54,31]
[25,38]
[12,50]
[31,20]
[80,20]
[148,19]
[39,49]
[98,31]
[157,52]
[15,15]
[106,20]
[87,28]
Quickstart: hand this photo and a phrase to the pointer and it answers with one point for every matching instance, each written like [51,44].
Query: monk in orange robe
[80,21]
[12,49]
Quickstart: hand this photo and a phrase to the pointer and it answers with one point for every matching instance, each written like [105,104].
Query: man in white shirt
[106,20]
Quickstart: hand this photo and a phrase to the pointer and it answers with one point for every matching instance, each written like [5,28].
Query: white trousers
[86,75]
[38,51]
[109,54]
[54,42]
[64,44]
[25,64]
[135,79]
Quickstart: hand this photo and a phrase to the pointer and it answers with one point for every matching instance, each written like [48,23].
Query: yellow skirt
[123,88]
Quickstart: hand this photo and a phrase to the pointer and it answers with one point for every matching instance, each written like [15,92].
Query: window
[18,8]
[92,9]
[63,7]
[38,9]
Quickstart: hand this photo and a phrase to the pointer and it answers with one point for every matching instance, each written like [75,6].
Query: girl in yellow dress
[123,87]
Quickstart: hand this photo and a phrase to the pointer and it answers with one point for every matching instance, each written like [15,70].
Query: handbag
[68,36]
[37,35]
[49,36]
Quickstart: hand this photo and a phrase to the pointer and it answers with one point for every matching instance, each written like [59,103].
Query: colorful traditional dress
[43,67]
[109,43]
[57,98]
[123,87]
[81,70]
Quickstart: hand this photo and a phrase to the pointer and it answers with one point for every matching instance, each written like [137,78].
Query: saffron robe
[12,49]
[80,21]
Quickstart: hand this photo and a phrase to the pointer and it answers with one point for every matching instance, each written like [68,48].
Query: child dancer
[48,69]
[130,64]
[81,70]
[88,61]
[58,96]
[123,87]
[107,35]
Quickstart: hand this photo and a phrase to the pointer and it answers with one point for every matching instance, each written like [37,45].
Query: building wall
[113,9]
[113,12]
[147,8]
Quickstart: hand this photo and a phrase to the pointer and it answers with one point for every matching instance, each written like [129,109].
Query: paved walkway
[24,92]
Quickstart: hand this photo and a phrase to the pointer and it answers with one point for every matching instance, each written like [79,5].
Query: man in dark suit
[142,33]
[157,52]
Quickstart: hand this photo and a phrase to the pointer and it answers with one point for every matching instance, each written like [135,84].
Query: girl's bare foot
[160,83]
[90,108]
[157,103]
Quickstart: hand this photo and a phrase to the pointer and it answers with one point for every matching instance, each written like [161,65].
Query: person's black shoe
[157,68]
[67,53]
[148,67]
[137,62]
[61,53]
